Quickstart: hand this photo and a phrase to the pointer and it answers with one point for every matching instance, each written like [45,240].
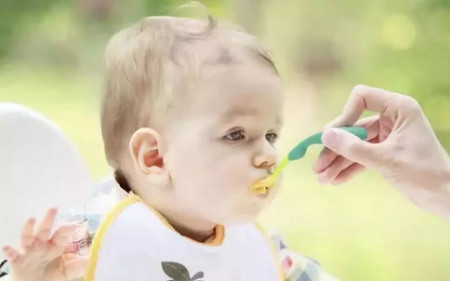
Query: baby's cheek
[221,187]
[237,166]
[229,180]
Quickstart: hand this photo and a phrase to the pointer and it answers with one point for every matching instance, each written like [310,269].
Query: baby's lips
[259,190]
[260,186]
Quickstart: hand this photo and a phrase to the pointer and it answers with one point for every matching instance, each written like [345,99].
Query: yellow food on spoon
[263,186]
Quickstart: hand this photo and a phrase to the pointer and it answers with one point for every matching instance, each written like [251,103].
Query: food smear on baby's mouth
[262,186]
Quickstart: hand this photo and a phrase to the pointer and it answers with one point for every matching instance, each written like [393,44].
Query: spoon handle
[300,150]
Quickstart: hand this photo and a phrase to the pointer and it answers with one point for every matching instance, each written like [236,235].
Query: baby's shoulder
[125,244]
[135,222]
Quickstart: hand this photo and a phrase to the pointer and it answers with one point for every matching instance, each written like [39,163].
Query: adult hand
[401,146]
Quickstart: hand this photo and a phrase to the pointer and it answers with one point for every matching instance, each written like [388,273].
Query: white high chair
[39,168]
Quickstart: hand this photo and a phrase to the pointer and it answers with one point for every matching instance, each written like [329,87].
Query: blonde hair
[147,63]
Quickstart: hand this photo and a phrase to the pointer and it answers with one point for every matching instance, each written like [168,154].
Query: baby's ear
[145,148]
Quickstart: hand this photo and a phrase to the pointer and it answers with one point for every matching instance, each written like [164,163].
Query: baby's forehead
[251,114]
[240,83]
[239,91]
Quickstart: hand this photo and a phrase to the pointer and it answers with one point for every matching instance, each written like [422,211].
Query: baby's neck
[200,234]
[185,223]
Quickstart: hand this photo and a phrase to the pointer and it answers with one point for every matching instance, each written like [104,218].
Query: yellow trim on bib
[132,198]
[219,230]
[97,242]
[274,251]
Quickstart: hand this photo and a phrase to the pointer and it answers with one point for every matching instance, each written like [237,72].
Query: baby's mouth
[262,186]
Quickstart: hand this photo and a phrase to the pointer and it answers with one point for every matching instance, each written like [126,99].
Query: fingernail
[321,179]
[330,138]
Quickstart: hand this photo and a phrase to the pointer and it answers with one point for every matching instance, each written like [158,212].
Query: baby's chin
[247,211]
[244,217]
[253,210]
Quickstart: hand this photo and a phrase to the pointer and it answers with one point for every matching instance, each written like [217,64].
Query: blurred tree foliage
[401,45]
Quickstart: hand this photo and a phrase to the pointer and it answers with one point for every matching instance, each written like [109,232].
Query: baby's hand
[42,254]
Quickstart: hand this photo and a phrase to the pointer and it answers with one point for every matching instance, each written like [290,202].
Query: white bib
[134,242]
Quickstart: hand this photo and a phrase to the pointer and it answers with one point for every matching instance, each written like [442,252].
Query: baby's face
[223,141]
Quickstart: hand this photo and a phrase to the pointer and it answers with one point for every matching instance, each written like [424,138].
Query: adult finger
[348,174]
[362,98]
[327,156]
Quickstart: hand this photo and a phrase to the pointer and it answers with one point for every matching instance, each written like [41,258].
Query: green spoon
[299,152]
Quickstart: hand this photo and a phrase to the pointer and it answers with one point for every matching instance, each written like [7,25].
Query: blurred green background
[51,59]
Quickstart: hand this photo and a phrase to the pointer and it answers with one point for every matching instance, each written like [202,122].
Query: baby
[190,116]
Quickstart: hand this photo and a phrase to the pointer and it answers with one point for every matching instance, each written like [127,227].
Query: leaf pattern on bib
[179,272]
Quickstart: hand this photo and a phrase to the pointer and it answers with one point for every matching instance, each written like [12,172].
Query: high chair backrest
[39,168]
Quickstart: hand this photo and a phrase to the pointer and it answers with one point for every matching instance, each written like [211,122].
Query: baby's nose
[266,161]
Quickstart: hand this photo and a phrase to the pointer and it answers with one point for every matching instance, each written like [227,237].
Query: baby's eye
[235,135]
[271,137]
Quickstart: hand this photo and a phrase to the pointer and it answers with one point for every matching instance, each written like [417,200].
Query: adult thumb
[351,147]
